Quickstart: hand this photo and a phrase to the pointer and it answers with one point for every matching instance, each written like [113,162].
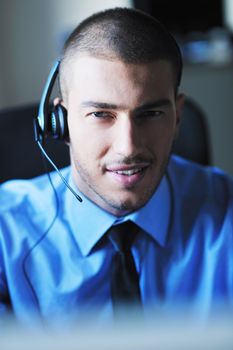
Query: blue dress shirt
[55,264]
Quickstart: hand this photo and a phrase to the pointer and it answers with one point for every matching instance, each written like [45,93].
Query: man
[119,77]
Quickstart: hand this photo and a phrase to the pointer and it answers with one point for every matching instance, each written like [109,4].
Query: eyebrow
[150,105]
[164,102]
[101,105]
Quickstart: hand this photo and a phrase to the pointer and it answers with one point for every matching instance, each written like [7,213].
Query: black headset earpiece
[51,122]
[58,127]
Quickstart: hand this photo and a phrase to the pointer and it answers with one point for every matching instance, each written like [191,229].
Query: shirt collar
[88,222]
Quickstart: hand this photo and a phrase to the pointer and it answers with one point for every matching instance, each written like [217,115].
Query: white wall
[211,86]
[25,49]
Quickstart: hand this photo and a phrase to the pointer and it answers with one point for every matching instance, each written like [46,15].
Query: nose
[127,137]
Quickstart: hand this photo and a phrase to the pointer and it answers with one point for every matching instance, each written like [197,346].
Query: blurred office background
[32,33]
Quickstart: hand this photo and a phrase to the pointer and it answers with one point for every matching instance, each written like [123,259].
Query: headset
[52,122]
[49,123]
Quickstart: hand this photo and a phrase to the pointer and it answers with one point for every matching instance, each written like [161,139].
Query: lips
[127,175]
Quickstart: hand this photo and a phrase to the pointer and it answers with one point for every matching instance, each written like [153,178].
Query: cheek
[160,138]
[86,147]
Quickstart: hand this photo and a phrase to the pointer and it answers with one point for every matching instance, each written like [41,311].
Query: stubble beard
[107,202]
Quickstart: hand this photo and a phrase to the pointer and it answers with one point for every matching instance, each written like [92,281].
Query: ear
[180,100]
[58,100]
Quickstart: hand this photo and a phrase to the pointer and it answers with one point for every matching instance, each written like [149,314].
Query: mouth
[127,175]
[129,172]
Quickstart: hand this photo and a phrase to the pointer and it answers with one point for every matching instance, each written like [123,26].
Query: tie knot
[123,235]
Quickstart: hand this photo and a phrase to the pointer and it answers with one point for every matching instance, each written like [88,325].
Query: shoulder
[193,180]
[201,194]
[27,208]
[202,202]
[34,194]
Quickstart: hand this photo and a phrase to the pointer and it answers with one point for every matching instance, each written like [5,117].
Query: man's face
[122,122]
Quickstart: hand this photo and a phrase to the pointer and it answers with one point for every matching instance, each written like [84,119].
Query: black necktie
[124,277]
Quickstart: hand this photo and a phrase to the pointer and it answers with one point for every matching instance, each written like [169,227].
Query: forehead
[98,77]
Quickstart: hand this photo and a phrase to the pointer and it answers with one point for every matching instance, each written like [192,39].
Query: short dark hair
[128,34]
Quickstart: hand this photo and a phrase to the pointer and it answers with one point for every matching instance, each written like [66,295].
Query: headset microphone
[52,123]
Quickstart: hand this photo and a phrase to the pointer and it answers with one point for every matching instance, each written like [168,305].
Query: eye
[151,114]
[101,115]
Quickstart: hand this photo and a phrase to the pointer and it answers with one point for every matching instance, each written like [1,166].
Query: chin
[123,206]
